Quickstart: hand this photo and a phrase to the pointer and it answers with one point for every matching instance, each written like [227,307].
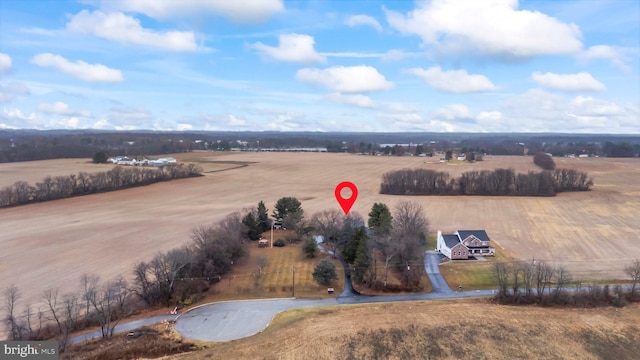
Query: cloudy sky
[437,66]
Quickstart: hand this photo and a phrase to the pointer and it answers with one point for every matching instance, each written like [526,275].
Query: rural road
[232,320]
[237,319]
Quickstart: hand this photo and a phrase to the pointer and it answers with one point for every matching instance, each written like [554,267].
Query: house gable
[474,238]
[459,251]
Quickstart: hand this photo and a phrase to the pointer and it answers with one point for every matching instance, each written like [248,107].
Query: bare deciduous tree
[543,276]
[501,271]
[109,305]
[562,280]
[88,288]
[410,226]
[65,311]
[328,224]
[633,271]
[11,297]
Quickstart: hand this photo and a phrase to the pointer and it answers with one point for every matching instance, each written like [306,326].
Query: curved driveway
[232,320]
[239,319]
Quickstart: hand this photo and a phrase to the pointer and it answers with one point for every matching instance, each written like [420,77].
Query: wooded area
[118,178]
[499,182]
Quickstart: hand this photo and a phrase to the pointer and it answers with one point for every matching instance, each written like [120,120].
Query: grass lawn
[474,274]
[277,280]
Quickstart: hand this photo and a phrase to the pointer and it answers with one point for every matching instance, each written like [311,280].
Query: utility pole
[293,288]
[272,235]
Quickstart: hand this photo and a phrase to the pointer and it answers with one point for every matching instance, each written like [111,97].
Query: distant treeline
[499,182]
[27,145]
[60,187]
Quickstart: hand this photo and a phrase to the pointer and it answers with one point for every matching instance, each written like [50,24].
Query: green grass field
[474,274]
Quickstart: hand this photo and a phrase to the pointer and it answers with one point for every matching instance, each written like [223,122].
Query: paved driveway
[233,320]
[237,319]
[432,261]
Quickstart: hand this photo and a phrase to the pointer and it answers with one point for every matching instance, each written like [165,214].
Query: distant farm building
[123,160]
[465,244]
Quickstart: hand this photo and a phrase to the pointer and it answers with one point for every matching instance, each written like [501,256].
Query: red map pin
[346,203]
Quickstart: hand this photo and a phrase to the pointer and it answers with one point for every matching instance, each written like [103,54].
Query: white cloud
[9,92]
[454,81]
[79,69]
[349,79]
[285,122]
[396,55]
[234,121]
[351,99]
[586,105]
[296,48]
[5,63]
[453,112]
[14,118]
[100,124]
[489,116]
[489,27]
[184,127]
[60,108]
[353,54]
[616,55]
[568,82]
[127,30]
[537,110]
[367,20]
[239,11]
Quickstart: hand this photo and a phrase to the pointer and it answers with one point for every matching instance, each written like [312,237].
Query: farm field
[50,245]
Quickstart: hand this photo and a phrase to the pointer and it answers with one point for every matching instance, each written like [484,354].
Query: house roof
[451,240]
[480,234]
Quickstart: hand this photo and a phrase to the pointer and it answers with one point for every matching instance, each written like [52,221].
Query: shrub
[544,161]
[325,272]
[279,243]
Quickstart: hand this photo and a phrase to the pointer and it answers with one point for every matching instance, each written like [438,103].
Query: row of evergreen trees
[499,182]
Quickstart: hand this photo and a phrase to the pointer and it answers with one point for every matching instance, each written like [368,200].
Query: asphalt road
[237,319]
[232,320]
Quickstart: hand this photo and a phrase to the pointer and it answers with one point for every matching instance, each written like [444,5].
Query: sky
[343,65]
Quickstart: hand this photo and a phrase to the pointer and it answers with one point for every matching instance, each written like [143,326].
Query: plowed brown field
[594,234]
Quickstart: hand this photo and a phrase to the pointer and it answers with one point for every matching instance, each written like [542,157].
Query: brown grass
[461,329]
[150,342]
[277,280]
[52,244]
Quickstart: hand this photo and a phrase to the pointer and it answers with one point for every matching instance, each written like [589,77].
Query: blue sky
[382,66]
